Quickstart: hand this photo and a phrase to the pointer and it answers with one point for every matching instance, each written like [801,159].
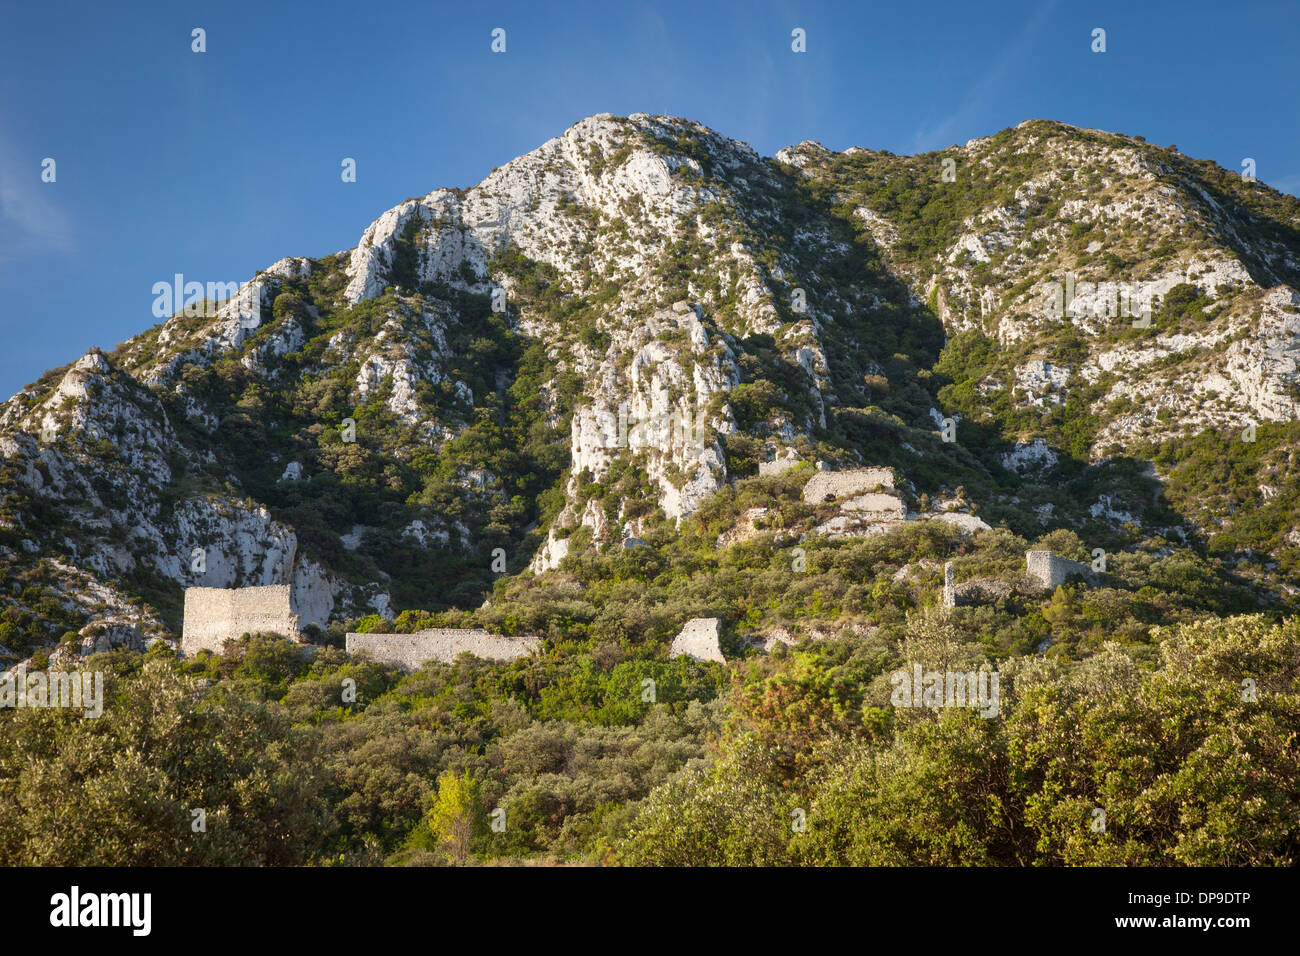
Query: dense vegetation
[1168,765]
[602,750]
[1147,717]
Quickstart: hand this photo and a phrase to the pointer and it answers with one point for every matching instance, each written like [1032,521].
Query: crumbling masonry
[445,644]
[699,638]
[215,615]
[1050,570]
[830,485]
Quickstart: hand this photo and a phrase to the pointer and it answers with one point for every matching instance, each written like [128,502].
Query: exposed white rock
[382,604]
[777,635]
[779,465]
[1033,456]
[550,554]
[425,535]
[1041,383]
[966,522]
[314,592]
[1105,510]
[605,205]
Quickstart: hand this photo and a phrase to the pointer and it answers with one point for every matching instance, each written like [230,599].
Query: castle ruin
[829,485]
[1047,571]
[216,615]
[974,592]
[1050,571]
[443,644]
[699,639]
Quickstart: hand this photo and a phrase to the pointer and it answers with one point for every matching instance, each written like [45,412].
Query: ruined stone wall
[1050,570]
[444,644]
[885,507]
[843,484]
[215,615]
[699,638]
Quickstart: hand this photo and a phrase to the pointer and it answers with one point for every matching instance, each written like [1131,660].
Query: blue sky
[216,164]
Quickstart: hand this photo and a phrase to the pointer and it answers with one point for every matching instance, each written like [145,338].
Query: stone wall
[779,465]
[883,507]
[843,484]
[1050,570]
[980,591]
[215,615]
[699,638]
[444,644]
[769,639]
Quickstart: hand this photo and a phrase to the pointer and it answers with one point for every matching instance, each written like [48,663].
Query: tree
[729,815]
[166,776]
[454,819]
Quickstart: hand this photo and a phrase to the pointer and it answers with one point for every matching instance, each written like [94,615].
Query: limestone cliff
[610,330]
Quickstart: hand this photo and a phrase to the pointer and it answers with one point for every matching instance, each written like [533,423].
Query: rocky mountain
[1047,328]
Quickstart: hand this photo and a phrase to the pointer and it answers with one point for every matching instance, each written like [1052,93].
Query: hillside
[643,375]
[737,314]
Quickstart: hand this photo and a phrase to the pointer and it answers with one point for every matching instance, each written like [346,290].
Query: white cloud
[31,221]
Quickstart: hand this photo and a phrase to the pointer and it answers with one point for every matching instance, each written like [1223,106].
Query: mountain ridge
[611,330]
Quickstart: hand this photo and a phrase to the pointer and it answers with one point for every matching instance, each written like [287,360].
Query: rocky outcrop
[751,524]
[683,327]
[109,633]
[1030,457]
